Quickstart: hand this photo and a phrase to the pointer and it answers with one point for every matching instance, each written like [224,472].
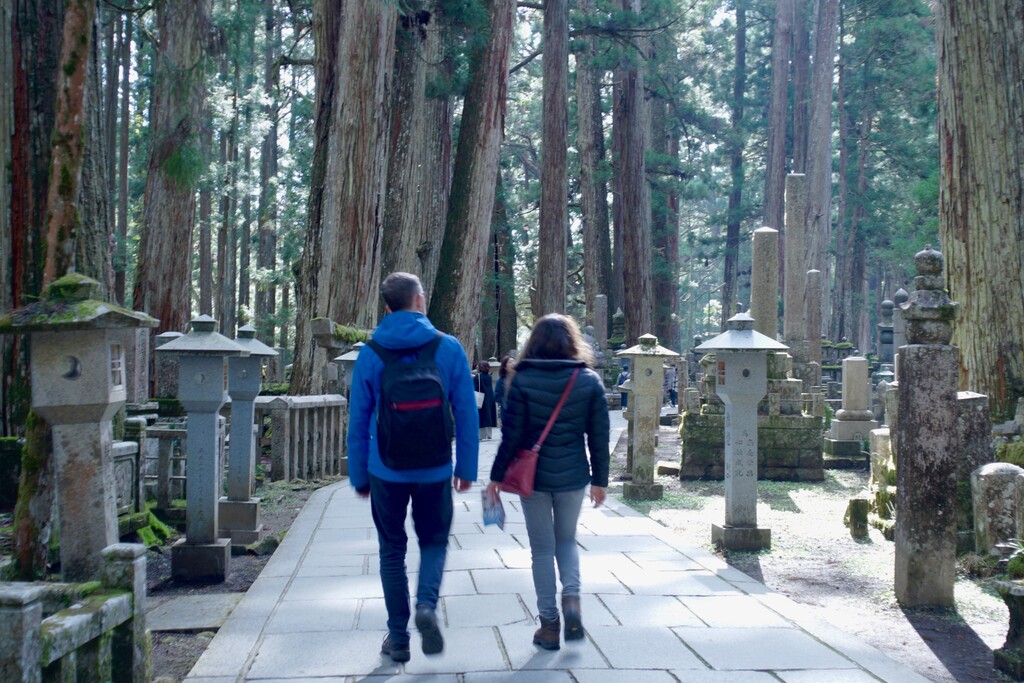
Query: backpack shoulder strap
[422,352]
[427,351]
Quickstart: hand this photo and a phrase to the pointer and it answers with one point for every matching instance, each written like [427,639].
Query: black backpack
[414,417]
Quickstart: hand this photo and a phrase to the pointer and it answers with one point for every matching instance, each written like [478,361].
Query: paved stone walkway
[656,609]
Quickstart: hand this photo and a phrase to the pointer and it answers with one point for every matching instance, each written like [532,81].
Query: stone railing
[307,435]
[76,632]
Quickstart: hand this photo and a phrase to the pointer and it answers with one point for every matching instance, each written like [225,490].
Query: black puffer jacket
[532,396]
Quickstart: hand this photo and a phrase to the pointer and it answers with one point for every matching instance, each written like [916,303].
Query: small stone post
[78,383]
[124,568]
[601,321]
[21,647]
[994,493]
[885,333]
[899,325]
[239,511]
[741,354]
[647,377]
[926,473]
[764,282]
[202,554]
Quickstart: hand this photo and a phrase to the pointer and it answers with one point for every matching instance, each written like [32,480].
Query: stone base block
[239,514]
[746,538]
[844,455]
[851,430]
[634,491]
[242,538]
[667,468]
[201,562]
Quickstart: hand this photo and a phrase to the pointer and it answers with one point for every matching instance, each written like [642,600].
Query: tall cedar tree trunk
[205,221]
[554,220]
[326,26]
[617,300]
[455,304]
[981,192]
[266,255]
[419,168]
[175,164]
[775,170]
[227,238]
[109,146]
[593,188]
[6,131]
[802,13]
[121,255]
[638,300]
[664,229]
[69,139]
[34,65]
[341,265]
[94,236]
[735,210]
[818,225]
[508,321]
[843,286]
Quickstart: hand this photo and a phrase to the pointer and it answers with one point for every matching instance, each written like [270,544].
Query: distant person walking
[408,382]
[670,384]
[553,353]
[622,379]
[501,386]
[488,411]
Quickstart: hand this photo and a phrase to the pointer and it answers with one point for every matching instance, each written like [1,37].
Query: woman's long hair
[557,337]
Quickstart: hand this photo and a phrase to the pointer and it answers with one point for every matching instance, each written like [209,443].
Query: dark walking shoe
[426,622]
[398,653]
[547,635]
[573,617]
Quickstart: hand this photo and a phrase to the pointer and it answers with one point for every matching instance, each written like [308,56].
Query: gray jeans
[551,525]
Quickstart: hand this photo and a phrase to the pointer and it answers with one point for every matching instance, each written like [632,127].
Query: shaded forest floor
[849,583]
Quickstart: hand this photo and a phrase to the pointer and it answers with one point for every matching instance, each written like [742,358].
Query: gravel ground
[815,561]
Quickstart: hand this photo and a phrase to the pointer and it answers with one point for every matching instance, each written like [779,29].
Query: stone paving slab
[192,612]
[656,608]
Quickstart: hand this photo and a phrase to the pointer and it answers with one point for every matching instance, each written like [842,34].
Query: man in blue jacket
[406,327]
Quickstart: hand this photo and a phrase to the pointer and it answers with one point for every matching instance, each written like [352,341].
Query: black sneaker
[426,622]
[398,653]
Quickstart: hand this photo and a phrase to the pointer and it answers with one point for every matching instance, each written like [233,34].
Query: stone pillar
[21,613]
[927,458]
[794,323]
[647,378]
[601,321]
[814,294]
[764,282]
[136,364]
[994,492]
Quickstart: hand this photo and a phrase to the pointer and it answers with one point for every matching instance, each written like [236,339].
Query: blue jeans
[432,520]
[551,525]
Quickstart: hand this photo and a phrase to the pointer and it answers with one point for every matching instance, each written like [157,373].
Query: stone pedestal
[166,367]
[240,520]
[994,491]
[200,561]
[646,378]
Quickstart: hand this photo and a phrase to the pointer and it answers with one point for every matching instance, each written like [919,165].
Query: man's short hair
[399,291]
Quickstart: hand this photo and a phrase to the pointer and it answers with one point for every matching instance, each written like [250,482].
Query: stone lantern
[741,354]
[202,554]
[647,377]
[239,511]
[347,362]
[78,383]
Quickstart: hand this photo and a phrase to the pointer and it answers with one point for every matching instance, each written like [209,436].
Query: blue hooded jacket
[402,330]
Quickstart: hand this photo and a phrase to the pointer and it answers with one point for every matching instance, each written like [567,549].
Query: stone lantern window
[116,366]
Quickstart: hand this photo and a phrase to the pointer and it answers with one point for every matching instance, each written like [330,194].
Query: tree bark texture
[638,301]
[554,220]
[344,284]
[801,83]
[266,254]
[94,238]
[113,53]
[68,142]
[205,223]
[819,143]
[455,304]
[175,165]
[227,238]
[736,144]
[121,254]
[981,191]
[6,132]
[419,168]
[508,321]
[593,188]
[616,299]
[775,169]
[665,231]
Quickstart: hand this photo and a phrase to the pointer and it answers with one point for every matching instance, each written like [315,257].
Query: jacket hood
[549,363]
[403,330]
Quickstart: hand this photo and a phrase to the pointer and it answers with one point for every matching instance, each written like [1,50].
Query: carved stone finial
[929,311]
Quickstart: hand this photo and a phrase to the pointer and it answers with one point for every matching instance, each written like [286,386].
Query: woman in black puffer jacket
[553,352]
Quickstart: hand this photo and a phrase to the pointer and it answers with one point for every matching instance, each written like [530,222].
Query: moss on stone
[351,335]
[1012,453]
